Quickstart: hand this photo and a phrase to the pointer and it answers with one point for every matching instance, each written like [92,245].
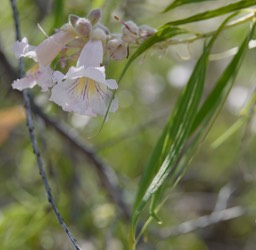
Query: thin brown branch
[33,139]
[106,176]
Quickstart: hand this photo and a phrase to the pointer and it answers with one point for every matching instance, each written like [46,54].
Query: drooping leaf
[170,144]
[165,158]
[222,87]
[210,109]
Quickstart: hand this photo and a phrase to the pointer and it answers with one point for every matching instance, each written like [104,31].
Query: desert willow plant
[83,48]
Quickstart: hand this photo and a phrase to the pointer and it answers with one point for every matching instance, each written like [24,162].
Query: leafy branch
[33,140]
[106,175]
[189,121]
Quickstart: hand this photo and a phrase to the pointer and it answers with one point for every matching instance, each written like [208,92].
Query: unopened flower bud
[146,31]
[99,34]
[130,32]
[94,16]
[83,27]
[117,49]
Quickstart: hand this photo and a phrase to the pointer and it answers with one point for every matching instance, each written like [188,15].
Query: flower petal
[96,73]
[83,96]
[23,49]
[44,78]
[112,84]
[37,75]
[57,76]
[75,72]
[100,100]
[91,54]
[70,101]
[24,83]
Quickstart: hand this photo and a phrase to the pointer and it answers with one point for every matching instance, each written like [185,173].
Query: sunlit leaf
[214,13]
[222,87]
[170,144]
[178,3]
[208,112]
[166,155]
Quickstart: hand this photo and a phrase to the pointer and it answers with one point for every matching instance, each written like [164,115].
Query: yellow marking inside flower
[85,86]
[33,69]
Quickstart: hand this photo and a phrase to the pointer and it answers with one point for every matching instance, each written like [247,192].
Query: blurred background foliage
[147,94]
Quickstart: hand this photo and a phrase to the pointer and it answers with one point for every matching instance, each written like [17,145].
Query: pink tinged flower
[46,51]
[37,75]
[23,49]
[51,46]
[84,89]
[41,73]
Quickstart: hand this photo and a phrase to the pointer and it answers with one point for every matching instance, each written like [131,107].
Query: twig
[33,138]
[203,221]
[223,196]
[106,175]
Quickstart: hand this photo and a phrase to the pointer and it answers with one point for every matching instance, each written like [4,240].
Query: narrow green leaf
[228,133]
[163,161]
[211,108]
[214,13]
[222,87]
[178,3]
[173,140]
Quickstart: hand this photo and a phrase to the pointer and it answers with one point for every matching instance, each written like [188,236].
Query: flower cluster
[83,88]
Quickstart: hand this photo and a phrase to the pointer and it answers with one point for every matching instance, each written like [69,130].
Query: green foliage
[184,120]
[15,226]
[178,3]
[143,151]
[214,13]
[58,7]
